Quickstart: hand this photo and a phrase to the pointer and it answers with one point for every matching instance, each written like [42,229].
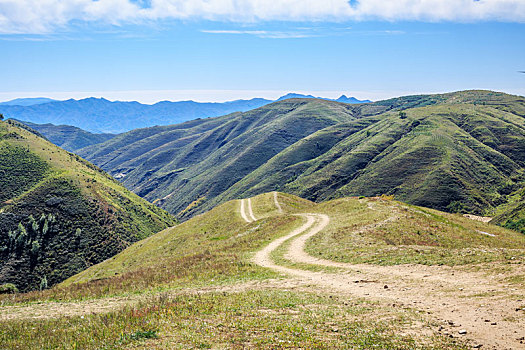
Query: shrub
[8,288]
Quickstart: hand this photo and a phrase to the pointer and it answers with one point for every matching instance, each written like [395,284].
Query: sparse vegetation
[262,318]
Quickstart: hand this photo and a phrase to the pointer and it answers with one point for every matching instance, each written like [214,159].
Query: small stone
[476,346]
[493,323]
[487,320]
[462,331]
[386,287]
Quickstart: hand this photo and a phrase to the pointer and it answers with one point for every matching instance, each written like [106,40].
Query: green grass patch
[258,319]
[412,235]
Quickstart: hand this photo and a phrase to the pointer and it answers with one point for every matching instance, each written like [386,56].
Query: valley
[456,152]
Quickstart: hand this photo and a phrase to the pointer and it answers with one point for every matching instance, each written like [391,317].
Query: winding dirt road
[482,310]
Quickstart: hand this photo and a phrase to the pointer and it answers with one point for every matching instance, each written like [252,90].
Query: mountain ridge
[99,115]
[461,151]
[67,137]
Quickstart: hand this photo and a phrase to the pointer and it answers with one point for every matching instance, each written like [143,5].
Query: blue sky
[225,53]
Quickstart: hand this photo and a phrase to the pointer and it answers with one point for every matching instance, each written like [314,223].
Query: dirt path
[247,216]
[243,212]
[277,204]
[459,301]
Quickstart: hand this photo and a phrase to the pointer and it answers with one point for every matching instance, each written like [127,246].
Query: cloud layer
[47,16]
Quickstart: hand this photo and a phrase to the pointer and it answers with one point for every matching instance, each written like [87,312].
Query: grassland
[196,285]
[402,234]
[255,319]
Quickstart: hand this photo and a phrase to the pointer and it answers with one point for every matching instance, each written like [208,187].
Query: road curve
[426,287]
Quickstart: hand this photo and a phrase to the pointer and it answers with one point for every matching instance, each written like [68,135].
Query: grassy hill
[212,246]
[60,214]
[198,286]
[196,161]
[462,151]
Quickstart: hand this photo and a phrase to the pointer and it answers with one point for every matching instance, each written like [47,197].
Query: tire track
[243,212]
[250,210]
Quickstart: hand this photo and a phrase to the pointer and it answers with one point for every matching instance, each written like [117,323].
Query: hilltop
[59,214]
[277,269]
[458,152]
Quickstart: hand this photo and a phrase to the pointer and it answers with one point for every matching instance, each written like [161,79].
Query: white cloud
[46,16]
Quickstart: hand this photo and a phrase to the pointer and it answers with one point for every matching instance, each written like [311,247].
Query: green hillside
[202,248]
[176,166]
[60,214]
[458,152]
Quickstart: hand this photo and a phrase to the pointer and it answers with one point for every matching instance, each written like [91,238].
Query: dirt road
[463,304]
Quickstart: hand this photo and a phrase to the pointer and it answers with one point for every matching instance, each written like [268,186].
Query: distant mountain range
[98,115]
[459,152]
[342,98]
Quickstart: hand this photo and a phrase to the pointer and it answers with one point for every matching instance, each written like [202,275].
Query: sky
[218,50]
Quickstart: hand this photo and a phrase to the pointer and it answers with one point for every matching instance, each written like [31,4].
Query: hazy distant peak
[27,101]
[342,99]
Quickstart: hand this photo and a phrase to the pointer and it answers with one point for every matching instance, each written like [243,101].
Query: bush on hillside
[8,288]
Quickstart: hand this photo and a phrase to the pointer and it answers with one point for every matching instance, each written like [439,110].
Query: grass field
[196,285]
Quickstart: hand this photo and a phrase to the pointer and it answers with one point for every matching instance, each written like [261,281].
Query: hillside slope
[462,151]
[60,214]
[196,161]
[222,233]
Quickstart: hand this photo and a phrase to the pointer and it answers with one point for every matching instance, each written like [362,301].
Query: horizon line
[221,96]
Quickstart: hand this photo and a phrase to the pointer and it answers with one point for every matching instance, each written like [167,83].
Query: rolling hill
[98,115]
[462,151]
[60,214]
